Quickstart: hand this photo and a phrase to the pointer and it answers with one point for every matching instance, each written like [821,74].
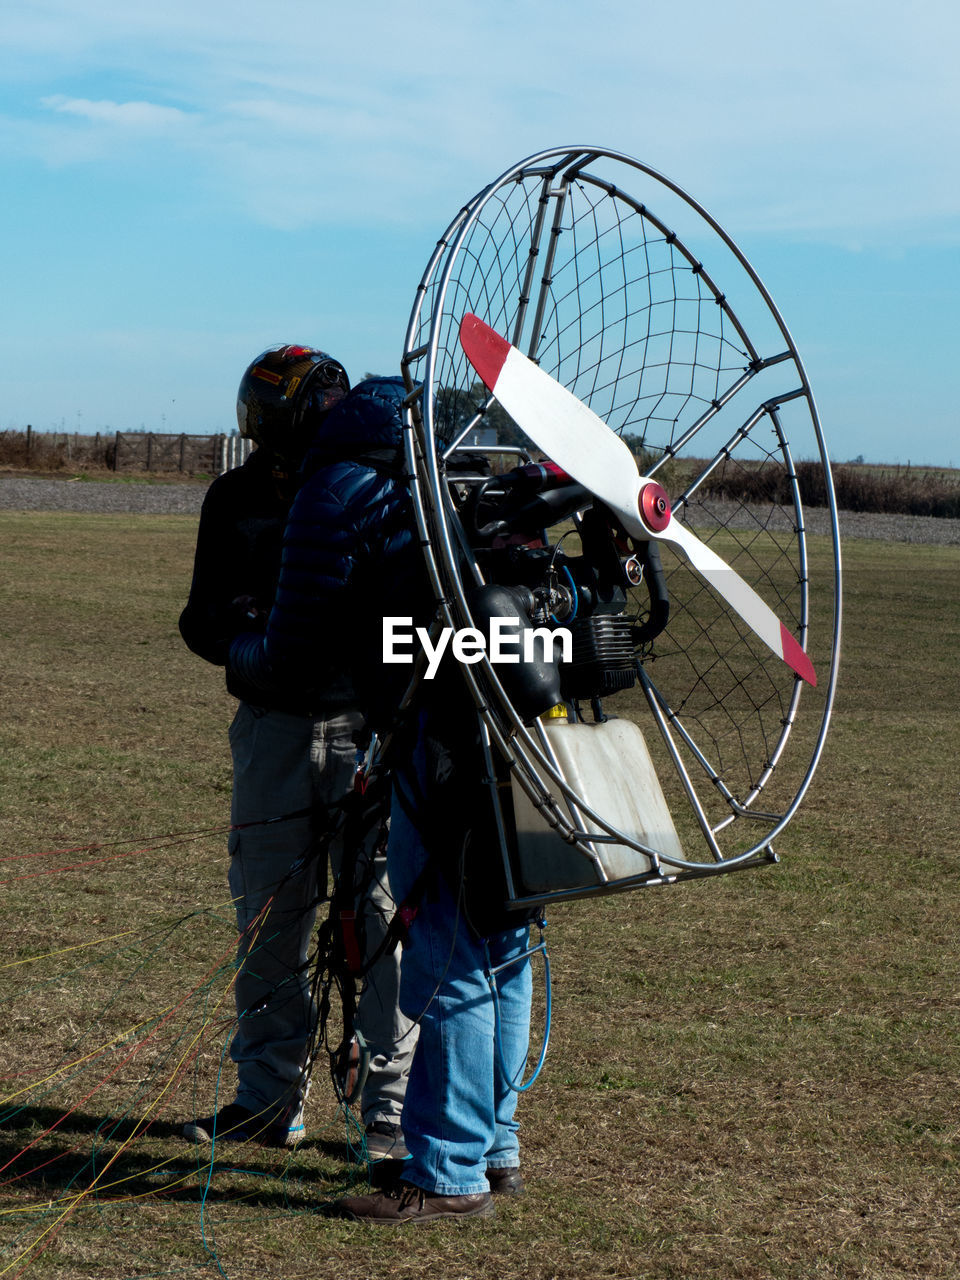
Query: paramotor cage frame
[524,749]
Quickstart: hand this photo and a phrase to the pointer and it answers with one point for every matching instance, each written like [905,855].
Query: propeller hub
[654,506]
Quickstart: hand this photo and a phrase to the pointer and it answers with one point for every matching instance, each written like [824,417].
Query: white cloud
[183,129]
[831,118]
[126,115]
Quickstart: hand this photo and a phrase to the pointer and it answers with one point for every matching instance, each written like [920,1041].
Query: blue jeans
[458,1113]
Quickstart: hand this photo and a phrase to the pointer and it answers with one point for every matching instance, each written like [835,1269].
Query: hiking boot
[385,1141]
[234,1123]
[407,1203]
[505,1182]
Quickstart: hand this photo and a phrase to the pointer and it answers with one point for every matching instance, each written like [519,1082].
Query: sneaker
[407,1203]
[506,1182]
[234,1123]
[385,1141]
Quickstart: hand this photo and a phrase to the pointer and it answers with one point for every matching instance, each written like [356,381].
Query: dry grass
[750,1078]
[100,456]
[896,490]
[915,491]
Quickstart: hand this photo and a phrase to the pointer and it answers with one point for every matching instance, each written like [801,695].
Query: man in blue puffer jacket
[351,557]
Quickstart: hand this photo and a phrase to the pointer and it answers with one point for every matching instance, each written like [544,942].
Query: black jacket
[239,543]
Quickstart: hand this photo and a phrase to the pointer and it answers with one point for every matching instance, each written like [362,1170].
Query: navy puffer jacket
[350,557]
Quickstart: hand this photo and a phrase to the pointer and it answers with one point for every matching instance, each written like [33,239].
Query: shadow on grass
[43,1150]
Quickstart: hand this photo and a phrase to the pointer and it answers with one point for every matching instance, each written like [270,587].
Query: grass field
[748,1078]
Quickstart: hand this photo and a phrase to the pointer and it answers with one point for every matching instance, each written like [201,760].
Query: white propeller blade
[580,442]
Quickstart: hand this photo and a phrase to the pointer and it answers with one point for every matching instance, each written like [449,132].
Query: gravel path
[38,493]
[35,493]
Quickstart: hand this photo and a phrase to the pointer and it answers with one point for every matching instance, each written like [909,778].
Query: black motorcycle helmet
[280,395]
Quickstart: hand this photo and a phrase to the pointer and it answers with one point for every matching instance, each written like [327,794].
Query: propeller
[580,442]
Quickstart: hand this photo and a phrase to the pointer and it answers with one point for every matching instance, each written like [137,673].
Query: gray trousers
[283,763]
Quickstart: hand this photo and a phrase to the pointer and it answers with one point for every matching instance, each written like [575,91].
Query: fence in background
[124,451]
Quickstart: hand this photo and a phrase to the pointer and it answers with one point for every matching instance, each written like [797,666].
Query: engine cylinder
[603,660]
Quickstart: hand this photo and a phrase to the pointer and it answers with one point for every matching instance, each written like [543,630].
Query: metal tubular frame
[529,758]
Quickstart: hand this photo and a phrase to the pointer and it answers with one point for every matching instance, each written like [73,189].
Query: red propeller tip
[485,348]
[795,657]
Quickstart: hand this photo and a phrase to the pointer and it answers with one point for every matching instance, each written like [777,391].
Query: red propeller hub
[654,506]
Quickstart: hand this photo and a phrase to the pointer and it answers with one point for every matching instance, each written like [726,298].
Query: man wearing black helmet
[294,757]
[352,553]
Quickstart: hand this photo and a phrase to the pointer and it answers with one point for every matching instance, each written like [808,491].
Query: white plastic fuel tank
[609,766]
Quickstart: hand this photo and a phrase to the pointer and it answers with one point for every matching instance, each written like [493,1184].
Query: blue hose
[492,983]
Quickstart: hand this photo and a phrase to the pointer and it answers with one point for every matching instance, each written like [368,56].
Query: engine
[579,581]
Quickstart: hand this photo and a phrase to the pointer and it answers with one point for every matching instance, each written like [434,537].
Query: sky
[186,184]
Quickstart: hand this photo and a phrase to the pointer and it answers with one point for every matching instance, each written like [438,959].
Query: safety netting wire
[636,331]
[630,321]
[730,692]
[490,268]
[628,325]
[632,327]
